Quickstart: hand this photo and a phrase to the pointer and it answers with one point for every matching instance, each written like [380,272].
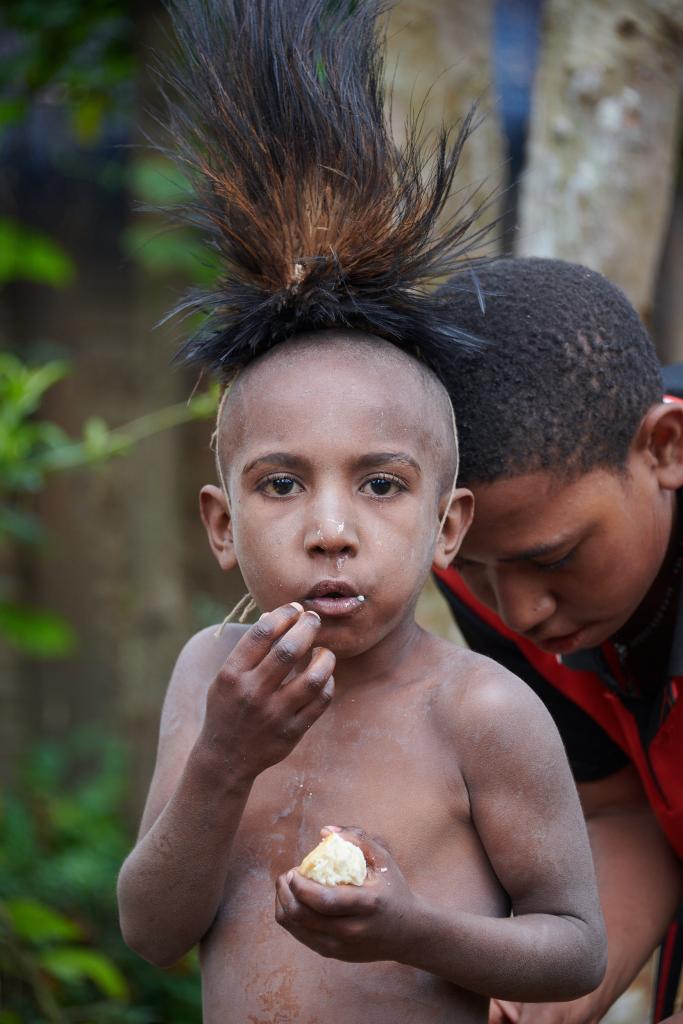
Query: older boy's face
[566,565]
[335,461]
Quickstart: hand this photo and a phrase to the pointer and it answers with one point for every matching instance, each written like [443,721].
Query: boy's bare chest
[381,768]
[390,775]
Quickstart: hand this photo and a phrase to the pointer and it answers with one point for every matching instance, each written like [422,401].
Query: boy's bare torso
[383,758]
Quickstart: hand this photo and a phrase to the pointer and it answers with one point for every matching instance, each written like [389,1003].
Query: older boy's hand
[271,688]
[576,1011]
[356,923]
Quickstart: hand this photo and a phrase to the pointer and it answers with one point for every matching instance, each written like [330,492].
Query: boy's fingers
[311,684]
[309,714]
[503,1012]
[332,901]
[290,911]
[289,648]
[259,638]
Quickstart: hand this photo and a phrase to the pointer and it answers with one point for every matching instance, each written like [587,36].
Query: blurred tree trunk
[440,55]
[604,130]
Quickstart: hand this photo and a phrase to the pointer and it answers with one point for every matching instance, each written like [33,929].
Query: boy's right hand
[255,715]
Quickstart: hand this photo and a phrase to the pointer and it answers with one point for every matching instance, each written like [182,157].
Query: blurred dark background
[104,568]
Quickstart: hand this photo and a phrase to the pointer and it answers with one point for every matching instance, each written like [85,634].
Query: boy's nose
[522,603]
[331,534]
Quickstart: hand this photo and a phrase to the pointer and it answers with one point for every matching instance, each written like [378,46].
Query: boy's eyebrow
[382,458]
[284,459]
[287,460]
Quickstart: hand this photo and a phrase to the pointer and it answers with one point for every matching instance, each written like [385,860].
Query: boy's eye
[280,486]
[382,486]
[559,563]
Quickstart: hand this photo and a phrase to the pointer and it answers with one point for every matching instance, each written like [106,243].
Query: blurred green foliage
[62,840]
[63,832]
[30,448]
[155,245]
[67,51]
[32,256]
[79,59]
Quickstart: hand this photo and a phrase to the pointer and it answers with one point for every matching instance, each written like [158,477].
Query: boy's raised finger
[289,648]
[310,685]
[259,638]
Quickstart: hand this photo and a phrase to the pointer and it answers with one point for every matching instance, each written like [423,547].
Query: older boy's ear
[215,513]
[660,437]
[455,527]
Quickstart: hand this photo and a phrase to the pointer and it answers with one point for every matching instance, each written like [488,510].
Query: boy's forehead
[532,511]
[340,384]
[314,357]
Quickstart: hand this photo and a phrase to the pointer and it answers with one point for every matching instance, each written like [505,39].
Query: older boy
[571,573]
[338,458]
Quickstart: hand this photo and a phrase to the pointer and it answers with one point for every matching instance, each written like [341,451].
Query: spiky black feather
[319,220]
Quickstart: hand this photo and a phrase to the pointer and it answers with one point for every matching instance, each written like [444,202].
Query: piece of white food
[335,861]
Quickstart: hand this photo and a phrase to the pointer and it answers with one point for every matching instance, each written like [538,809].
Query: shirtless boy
[337,457]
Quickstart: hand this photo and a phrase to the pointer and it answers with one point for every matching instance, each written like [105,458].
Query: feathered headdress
[318,218]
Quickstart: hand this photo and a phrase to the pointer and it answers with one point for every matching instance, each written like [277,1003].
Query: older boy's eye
[559,563]
[382,486]
[280,486]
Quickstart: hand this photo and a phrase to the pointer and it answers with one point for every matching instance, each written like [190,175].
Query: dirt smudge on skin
[277,998]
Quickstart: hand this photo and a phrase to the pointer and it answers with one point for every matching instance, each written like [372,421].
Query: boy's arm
[527,814]
[171,884]
[640,882]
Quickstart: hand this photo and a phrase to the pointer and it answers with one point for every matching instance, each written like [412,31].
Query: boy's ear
[660,439]
[455,527]
[215,513]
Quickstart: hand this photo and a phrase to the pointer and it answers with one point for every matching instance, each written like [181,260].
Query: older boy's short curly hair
[566,376]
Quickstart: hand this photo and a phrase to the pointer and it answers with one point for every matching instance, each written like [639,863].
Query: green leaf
[45,262]
[22,387]
[96,437]
[74,963]
[38,923]
[40,633]
[32,256]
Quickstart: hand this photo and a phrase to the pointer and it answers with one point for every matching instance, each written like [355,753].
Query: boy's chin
[344,646]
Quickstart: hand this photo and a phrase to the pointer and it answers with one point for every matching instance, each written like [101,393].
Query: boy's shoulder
[205,652]
[196,667]
[483,703]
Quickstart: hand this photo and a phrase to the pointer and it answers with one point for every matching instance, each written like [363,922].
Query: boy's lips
[565,644]
[334,598]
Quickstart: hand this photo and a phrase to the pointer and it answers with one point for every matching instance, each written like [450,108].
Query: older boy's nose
[332,533]
[521,602]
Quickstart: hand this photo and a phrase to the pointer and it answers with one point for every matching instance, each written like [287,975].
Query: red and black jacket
[602,727]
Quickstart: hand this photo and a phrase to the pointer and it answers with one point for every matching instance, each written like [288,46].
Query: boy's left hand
[357,923]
